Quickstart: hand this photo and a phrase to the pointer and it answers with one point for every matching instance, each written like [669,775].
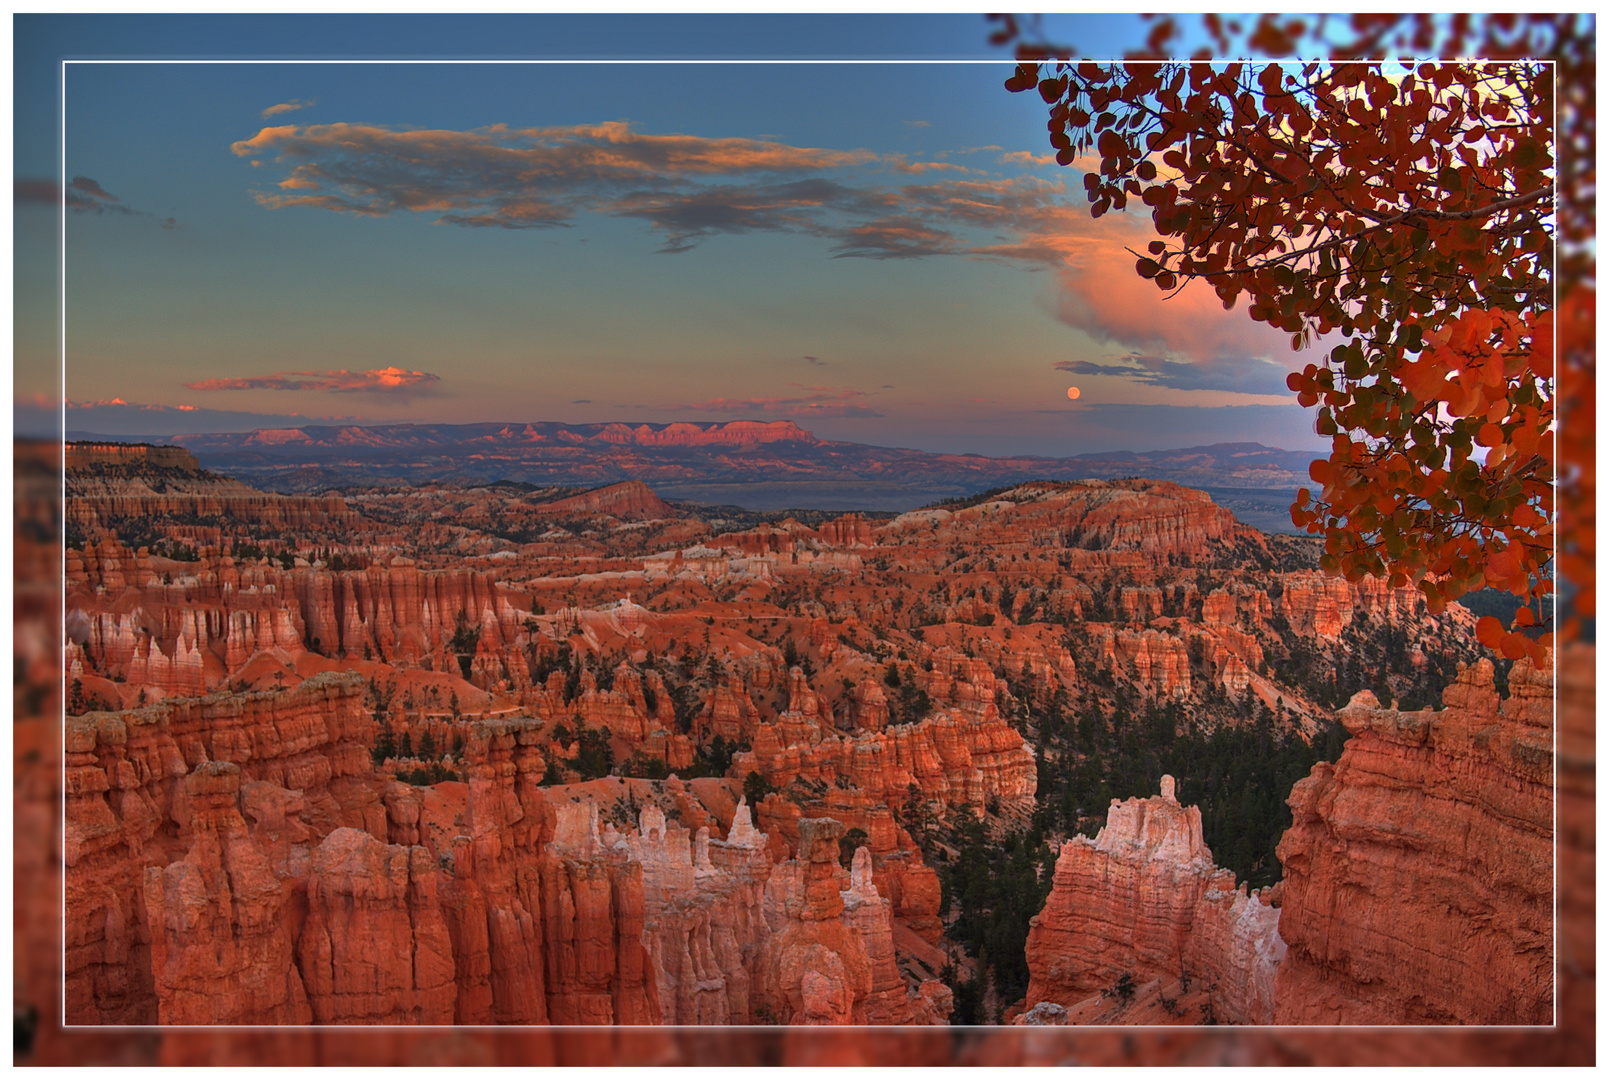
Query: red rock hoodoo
[1143,899]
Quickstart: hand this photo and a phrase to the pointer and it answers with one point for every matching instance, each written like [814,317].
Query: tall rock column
[816,968]
[598,968]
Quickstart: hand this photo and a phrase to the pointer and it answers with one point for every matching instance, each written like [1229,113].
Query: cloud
[1240,376]
[82,195]
[1027,159]
[796,206]
[901,237]
[500,171]
[817,401]
[287,106]
[916,123]
[1099,292]
[582,401]
[926,166]
[88,195]
[389,380]
[690,188]
[815,361]
[686,187]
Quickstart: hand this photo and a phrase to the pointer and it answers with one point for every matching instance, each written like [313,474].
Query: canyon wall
[1418,882]
[233,859]
[190,634]
[1419,867]
[951,757]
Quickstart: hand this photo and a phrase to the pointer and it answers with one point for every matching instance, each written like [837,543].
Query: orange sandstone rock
[1144,899]
[1419,867]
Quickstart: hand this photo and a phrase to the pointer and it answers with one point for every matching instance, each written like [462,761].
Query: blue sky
[879,252]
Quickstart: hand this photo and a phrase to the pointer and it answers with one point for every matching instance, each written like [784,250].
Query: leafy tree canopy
[1407,213]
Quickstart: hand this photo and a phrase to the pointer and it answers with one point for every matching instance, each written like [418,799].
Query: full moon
[1072,393]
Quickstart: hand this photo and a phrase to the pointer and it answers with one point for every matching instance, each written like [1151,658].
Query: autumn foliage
[1406,218]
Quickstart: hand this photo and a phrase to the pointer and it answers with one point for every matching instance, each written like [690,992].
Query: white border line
[1000,62]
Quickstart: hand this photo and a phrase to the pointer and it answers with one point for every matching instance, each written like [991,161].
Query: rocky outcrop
[891,1000]
[1143,899]
[1419,867]
[1139,603]
[898,872]
[85,455]
[1159,661]
[815,968]
[953,757]
[219,923]
[153,787]
[110,483]
[851,530]
[739,433]
[192,634]
[632,500]
[593,914]
[1319,605]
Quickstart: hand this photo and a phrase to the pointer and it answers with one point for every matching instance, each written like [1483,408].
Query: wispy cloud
[1240,375]
[83,195]
[815,401]
[86,194]
[287,106]
[389,380]
[686,187]
[1027,159]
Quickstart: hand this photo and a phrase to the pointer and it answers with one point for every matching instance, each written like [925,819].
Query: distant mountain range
[762,466]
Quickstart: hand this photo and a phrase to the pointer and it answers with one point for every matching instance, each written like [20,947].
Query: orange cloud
[686,186]
[286,106]
[381,380]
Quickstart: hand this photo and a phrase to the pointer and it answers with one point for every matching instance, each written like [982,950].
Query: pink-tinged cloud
[287,106]
[1099,292]
[818,401]
[389,380]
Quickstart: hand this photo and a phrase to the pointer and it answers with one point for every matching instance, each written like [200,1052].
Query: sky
[881,252]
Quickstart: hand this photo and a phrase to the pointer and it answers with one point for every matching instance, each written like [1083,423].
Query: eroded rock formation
[1144,900]
[1419,868]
